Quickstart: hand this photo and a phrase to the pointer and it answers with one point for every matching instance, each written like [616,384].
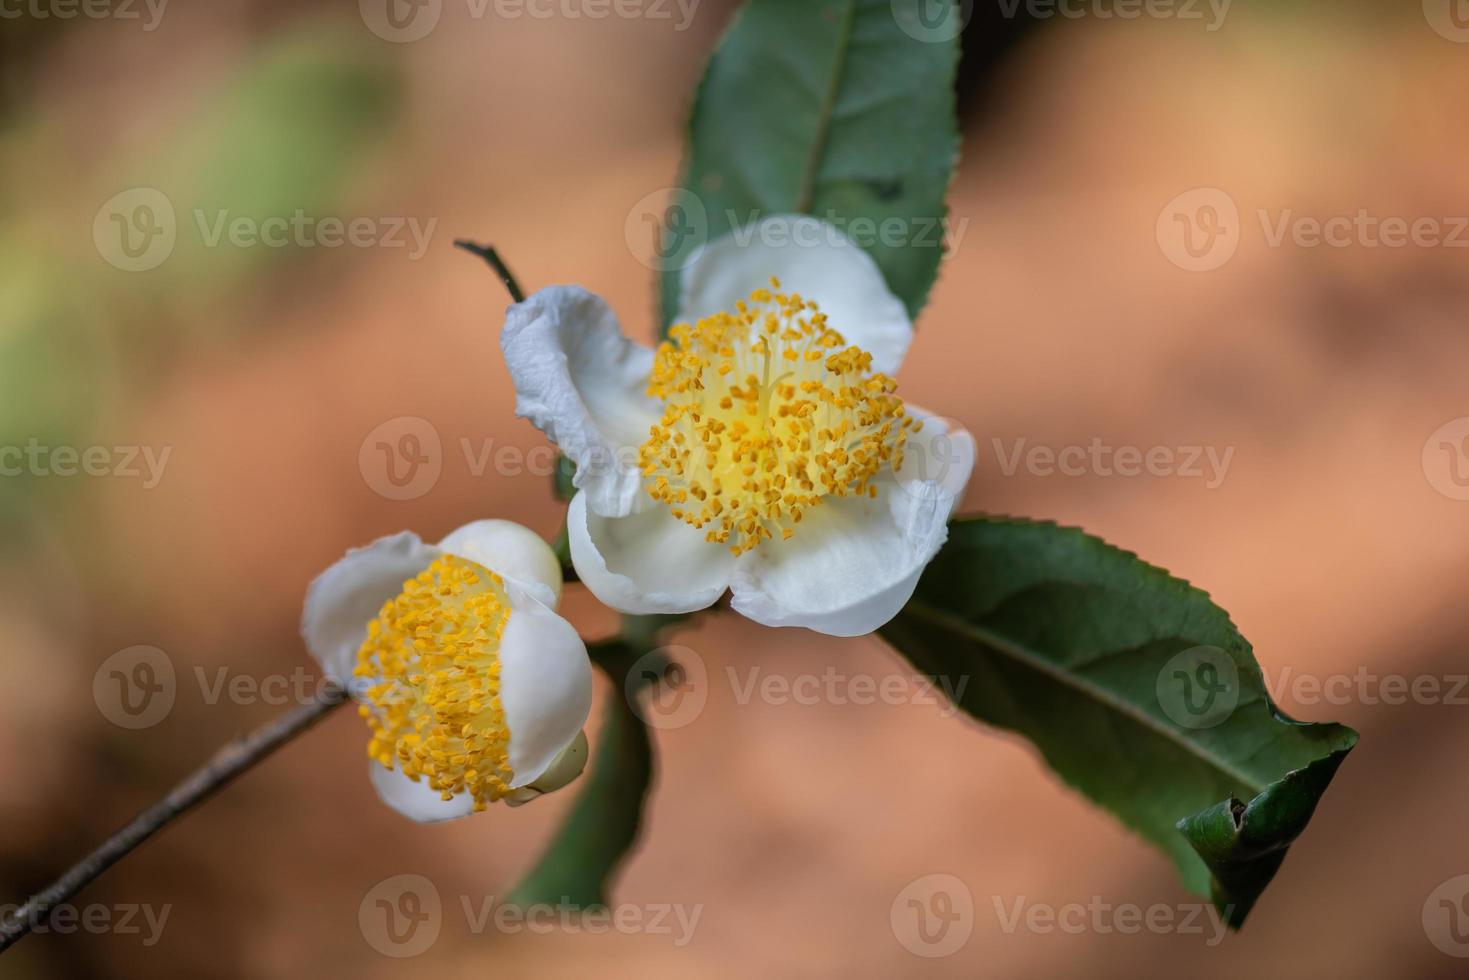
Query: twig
[502,270]
[204,782]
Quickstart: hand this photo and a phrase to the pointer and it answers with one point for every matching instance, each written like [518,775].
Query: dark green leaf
[843,109]
[1136,688]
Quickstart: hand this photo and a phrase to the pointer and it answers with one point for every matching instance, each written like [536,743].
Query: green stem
[488,253]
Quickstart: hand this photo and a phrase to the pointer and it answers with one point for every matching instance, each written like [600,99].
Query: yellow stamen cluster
[767,411]
[432,657]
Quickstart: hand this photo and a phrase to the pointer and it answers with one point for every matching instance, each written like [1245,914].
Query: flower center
[767,411]
[432,657]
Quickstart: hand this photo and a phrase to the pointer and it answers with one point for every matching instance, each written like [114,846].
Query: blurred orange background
[1061,317]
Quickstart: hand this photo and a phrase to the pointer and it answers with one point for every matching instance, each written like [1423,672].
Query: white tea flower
[473,688]
[762,449]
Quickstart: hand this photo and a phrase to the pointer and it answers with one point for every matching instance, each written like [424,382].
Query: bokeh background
[1063,316]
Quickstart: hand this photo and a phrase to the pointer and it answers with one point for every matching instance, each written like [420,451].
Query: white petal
[545,685]
[854,562]
[581,382]
[937,464]
[812,258]
[512,551]
[348,595]
[646,562]
[416,801]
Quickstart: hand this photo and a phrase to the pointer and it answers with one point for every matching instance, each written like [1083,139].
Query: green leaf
[843,109]
[603,824]
[1136,689]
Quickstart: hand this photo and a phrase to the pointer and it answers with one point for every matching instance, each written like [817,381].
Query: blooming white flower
[761,450]
[472,686]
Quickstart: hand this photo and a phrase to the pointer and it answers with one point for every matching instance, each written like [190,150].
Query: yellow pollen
[433,659]
[766,412]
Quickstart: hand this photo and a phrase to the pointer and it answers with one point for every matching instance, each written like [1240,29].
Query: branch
[227,763]
[502,270]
